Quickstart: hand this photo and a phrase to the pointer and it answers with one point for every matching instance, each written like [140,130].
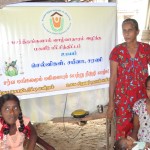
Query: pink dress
[14,142]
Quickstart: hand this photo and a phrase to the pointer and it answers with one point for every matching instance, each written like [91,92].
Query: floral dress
[139,109]
[130,87]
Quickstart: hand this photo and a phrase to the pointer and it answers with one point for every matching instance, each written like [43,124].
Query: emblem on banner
[56,21]
[11,68]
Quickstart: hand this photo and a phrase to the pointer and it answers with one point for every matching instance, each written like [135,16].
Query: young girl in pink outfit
[14,127]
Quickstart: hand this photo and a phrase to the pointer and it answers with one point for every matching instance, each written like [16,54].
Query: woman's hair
[146,81]
[132,21]
[120,144]
[6,97]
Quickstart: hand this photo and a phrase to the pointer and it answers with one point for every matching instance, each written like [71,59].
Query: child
[123,144]
[14,127]
[141,120]
[141,124]
[129,144]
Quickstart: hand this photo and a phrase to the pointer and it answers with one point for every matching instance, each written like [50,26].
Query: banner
[49,48]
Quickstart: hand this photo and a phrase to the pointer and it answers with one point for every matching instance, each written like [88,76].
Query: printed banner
[48,49]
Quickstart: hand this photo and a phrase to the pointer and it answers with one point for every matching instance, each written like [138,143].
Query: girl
[130,144]
[14,127]
[141,120]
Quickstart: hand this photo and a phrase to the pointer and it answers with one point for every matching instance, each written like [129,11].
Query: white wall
[136,9]
[46,108]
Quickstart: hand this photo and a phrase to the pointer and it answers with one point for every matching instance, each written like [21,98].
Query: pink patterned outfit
[16,141]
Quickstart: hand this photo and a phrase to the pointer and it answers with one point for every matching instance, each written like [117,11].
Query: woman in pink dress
[14,127]
[128,72]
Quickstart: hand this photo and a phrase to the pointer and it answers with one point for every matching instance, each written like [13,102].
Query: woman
[128,72]
[14,127]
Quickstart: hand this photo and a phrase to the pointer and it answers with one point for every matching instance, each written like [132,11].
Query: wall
[45,108]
